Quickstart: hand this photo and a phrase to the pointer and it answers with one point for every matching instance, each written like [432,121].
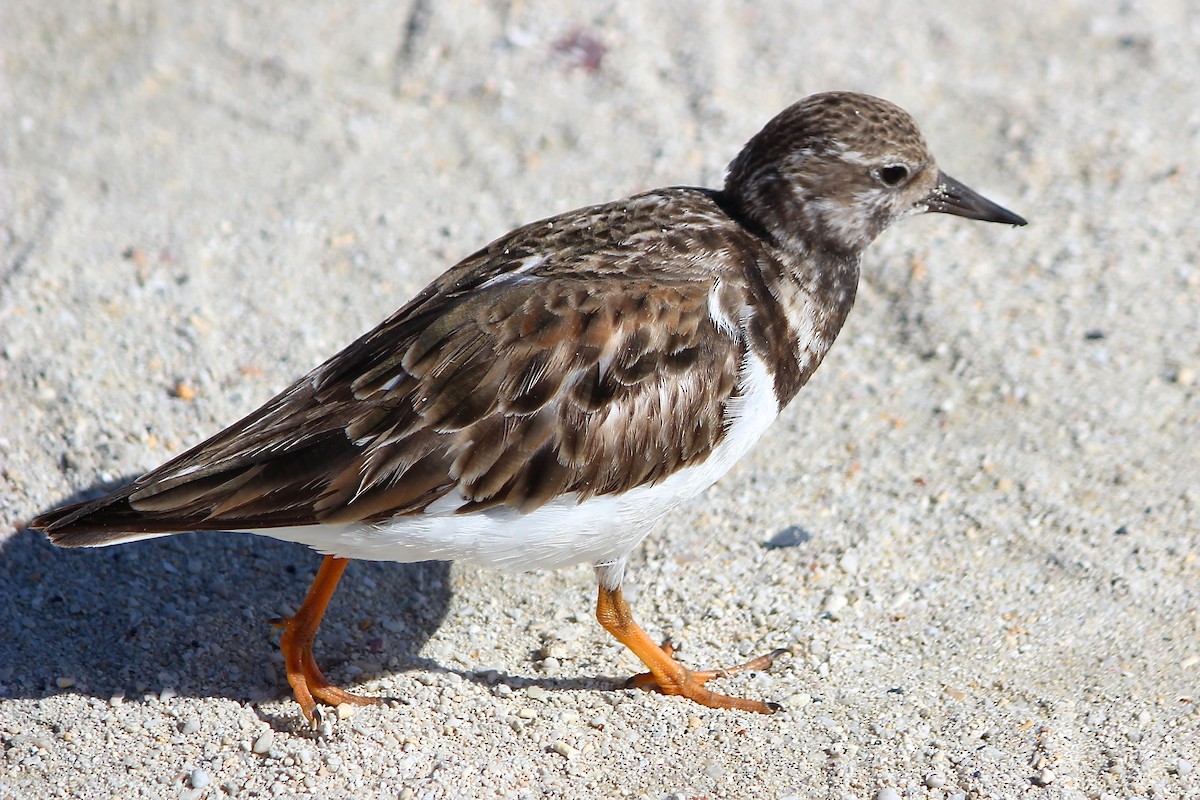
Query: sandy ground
[997,471]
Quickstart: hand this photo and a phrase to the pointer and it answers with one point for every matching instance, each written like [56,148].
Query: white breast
[564,531]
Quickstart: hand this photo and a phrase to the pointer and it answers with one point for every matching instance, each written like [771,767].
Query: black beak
[952,197]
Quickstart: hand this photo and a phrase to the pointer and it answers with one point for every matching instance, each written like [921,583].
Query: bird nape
[548,399]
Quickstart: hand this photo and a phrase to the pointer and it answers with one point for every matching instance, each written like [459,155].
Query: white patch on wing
[603,529]
[528,263]
[393,381]
[801,313]
[717,314]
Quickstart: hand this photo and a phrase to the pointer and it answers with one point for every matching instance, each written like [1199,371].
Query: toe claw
[322,723]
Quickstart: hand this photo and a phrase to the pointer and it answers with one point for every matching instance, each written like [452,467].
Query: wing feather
[595,370]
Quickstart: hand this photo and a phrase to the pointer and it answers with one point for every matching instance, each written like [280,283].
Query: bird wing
[600,362]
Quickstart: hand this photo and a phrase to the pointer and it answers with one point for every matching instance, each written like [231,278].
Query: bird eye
[893,174]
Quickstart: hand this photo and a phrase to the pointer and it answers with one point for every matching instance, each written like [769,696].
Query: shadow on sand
[191,613]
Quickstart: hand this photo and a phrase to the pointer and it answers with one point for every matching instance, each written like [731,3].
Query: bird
[548,399]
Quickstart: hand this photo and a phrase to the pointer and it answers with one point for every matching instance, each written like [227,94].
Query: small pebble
[1181,768]
[117,699]
[199,779]
[798,700]
[167,694]
[1044,778]
[834,603]
[565,750]
[65,682]
[791,536]
[262,744]
[190,726]
[887,793]
[934,781]
[344,710]
[536,693]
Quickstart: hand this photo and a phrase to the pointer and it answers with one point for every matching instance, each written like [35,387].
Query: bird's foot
[308,683]
[688,683]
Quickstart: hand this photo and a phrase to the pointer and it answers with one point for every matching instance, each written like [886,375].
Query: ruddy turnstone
[551,397]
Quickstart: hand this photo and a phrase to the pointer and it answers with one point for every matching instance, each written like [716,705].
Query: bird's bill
[953,197]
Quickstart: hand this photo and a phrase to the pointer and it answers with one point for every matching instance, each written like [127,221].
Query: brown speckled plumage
[594,354]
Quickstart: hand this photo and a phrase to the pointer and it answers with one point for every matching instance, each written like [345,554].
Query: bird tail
[104,521]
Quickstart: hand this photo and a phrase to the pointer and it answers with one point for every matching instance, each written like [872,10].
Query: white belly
[564,531]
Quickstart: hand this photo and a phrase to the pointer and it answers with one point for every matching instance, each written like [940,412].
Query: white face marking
[847,225]
[855,157]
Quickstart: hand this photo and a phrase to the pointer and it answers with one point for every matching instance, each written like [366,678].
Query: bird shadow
[190,613]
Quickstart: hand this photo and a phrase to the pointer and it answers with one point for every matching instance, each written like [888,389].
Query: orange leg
[299,630]
[666,674]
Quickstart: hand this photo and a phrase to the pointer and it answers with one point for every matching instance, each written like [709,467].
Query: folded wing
[508,382]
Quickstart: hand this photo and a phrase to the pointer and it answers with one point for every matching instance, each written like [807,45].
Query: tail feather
[178,497]
[104,521]
[114,519]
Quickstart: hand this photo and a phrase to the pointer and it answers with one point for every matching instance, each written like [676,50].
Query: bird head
[836,169]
